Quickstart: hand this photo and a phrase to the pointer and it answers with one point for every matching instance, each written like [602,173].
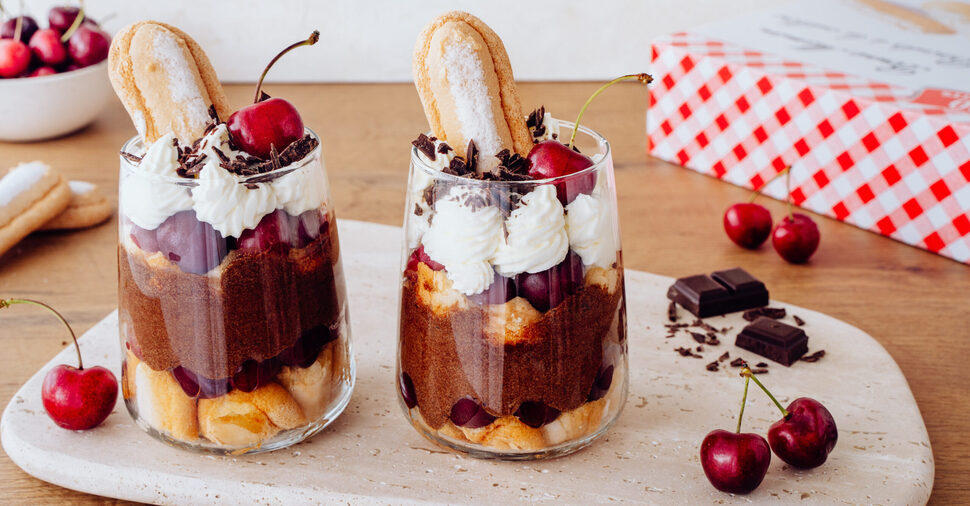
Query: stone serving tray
[372,455]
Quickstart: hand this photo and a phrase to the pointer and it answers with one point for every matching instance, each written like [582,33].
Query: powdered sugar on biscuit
[182,83]
[20,179]
[81,187]
[473,106]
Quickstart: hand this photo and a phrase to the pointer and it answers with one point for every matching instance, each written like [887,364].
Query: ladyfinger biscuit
[165,81]
[465,82]
[247,418]
[163,404]
[311,386]
[31,194]
[87,208]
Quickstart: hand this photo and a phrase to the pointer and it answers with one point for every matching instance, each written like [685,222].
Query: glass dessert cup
[236,344]
[534,365]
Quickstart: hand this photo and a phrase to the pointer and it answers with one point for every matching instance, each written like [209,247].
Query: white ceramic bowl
[36,108]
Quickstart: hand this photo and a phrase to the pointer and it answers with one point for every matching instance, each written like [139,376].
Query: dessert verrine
[231,294]
[512,326]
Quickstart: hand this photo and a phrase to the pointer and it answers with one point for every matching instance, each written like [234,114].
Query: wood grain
[915,303]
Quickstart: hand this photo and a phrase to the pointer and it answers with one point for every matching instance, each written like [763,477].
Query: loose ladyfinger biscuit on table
[247,418]
[465,82]
[165,81]
[87,208]
[31,194]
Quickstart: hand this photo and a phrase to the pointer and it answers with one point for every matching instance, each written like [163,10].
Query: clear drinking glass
[534,365]
[231,344]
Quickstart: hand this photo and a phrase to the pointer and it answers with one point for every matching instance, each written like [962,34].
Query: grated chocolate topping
[425,145]
[535,122]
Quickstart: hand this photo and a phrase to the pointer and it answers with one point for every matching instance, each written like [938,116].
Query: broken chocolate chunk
[672,311]
[798,320]
[713,366]
[814,357]
[774,340]
[775,313]
[426,146]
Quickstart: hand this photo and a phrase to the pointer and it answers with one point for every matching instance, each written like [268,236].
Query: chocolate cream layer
[258,305]
[448,356]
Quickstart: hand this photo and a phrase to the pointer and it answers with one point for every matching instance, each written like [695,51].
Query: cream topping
[537,237]
[592,233]
[464,238]
[146,198]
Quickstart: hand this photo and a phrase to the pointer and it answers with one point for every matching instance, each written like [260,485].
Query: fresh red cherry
[14,58]
[27,28]
[269,123]
[61,18]
[796,238]
[735,463]
[75,398]
[47,47]
[547,289]
[276,230]
[42,71]
[805,437]
[89,45]
[419,256]
[602,382]
[536,414]
[747,224]
[264,126]
[551,159]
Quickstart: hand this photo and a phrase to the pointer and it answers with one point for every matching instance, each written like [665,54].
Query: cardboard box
[868,100]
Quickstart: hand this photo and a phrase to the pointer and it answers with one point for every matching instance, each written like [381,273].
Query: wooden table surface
[915,303]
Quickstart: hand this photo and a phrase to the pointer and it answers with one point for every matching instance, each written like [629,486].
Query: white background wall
[372,40]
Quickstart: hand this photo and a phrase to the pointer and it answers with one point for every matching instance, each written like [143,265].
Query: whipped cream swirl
[222,199]
[589,224]
[537,237]
[464,238]
[148,199]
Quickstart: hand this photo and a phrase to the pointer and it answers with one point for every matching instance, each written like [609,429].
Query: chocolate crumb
[713,366]
[213,114]
[701,338]
[417,210]
[759,371]
[724,357]
[702,324]
[775,313]
[798,321]
[252,186]
[814,357]
[738,362]
[713,341]
[672,311]
[443,148]
[761,364]
[686,352]
[535,122]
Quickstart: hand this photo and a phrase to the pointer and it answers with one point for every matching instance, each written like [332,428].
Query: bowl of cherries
[53,80]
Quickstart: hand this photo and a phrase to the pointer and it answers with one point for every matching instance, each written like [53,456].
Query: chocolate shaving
[471,157]
[418,211]
[429,195]
[761,364]
[775,313]
[724,357]
[443,148]
[701,324]
[251,166]
[713,366]
[672,311]
[686,352]
[798,321]
[814,357]
[514,165]
[759,371]
[738,362]
[130,157]
[214,114]
[700,349]
[712,340]
[535,122]
[426,146]
[701,338]
[252,186]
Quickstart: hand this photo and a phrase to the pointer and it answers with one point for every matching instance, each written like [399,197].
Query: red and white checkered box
[882,156]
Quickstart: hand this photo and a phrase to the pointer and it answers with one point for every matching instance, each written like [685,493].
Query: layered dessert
[231,294]
[512,327]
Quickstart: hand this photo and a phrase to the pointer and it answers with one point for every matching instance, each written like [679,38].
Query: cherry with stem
[75,398]
[76,24]
[311,40]
[806,433]
[796,237]
[735,462]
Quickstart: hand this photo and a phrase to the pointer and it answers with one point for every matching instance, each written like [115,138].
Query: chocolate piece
[701,338]
[814,357]
[798,320]
[774,340]
[722,292]
[775,313]
[713,367]
[724,357]
[738,362]
[672,311]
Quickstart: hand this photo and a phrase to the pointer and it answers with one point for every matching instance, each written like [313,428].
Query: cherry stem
[764,185]
[76,24]
[77,348]
[746,372]
[18,27]
[311,40]
[791,215]
[643,78]
[744,400]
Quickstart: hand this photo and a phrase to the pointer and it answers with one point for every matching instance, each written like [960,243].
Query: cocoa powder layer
[257,307]
[448,356]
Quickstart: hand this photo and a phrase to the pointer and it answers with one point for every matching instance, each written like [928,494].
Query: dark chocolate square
[774,340]
[699,294]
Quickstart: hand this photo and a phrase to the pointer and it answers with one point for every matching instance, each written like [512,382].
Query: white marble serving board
[372,455]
